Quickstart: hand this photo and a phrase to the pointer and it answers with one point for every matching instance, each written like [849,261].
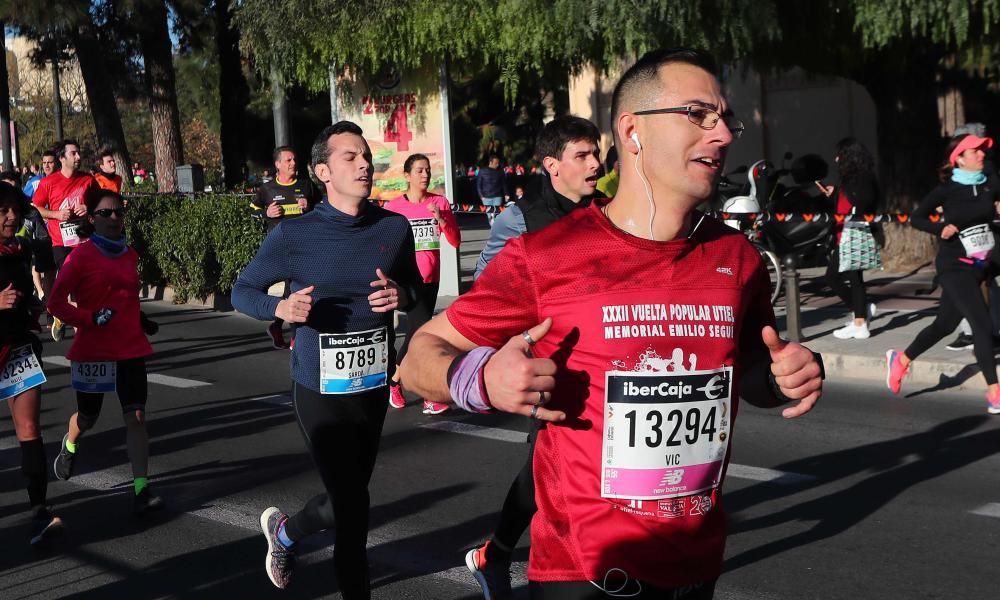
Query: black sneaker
[63,464]
[962,342]
[277,336]
[44,525]
[280,560]
[145,501]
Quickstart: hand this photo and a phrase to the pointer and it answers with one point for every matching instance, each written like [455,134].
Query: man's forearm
[425,368]
[48,214]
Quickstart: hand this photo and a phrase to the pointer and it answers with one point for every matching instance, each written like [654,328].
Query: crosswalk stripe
[167,380]
[988,510]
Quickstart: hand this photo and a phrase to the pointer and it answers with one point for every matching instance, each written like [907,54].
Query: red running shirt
[98,281]
[621,304]
[57,191]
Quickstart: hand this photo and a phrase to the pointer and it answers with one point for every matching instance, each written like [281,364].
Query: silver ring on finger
[534,412]
[527,337]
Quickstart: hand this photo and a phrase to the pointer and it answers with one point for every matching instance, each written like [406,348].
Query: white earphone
[635,138]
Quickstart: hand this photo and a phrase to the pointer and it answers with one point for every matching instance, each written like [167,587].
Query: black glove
[102,317]
[149,327]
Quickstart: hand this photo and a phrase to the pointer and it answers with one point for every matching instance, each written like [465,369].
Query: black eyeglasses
[107,212]
[702,116]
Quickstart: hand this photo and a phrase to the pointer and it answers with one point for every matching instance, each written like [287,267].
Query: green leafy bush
[197,245]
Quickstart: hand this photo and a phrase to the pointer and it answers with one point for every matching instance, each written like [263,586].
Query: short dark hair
[12,196]
[560,131]
[636,80]
[93,199]
[408,163]
[320,149]
[105,152]
[51,153]
[11,175]
[276,153]
[60,148]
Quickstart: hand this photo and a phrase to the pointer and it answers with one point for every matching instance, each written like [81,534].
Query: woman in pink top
[110,348]
[430,217]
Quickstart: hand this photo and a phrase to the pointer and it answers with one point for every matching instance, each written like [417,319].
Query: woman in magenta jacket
[110,348]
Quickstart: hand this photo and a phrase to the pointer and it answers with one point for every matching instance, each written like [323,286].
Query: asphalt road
[868,497]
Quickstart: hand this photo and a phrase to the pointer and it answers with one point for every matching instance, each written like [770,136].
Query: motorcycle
[790,189]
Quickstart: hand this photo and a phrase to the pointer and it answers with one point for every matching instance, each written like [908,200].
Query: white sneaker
[872,311]
[852,331]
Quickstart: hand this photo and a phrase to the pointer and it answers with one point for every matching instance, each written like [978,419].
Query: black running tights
[519,505]
[342,434]
[961,296]
[421,312]
[849,286]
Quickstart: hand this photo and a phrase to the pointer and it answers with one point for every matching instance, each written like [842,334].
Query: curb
[934,374]
[219,302]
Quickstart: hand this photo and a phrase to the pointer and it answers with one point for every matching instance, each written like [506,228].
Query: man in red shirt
[631,329]
[60,199]
[105,175]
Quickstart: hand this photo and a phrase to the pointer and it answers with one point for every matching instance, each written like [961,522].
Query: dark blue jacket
[491,183]
[338,254]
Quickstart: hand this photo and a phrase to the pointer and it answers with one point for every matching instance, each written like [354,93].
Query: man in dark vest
[568,148]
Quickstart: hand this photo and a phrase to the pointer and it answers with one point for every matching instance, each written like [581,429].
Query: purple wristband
[466,385]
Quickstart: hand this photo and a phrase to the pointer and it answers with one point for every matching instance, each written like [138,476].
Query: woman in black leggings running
[964,260]
[21,375]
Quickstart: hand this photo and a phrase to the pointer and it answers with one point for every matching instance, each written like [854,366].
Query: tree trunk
[159,67]
[233,97]
[902,82]
[100,97]
[8,161]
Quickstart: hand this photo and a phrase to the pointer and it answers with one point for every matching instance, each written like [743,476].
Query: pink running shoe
[994,400]
[434,408]
[396,399]
[895,371]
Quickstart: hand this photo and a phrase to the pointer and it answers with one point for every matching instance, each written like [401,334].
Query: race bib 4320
[94,377]
[665,434]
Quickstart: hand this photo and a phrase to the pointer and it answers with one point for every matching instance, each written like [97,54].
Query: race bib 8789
[353,362]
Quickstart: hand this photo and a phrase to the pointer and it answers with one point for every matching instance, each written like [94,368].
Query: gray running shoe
[493,577]
[63,464]
[280,560]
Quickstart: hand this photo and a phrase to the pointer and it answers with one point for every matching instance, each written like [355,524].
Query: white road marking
[118,480]
[167,380]
[276,399]
[506,435]
[490,433]
[772,475]
[988,510]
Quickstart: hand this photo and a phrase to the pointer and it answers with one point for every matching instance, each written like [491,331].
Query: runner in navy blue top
[351,263]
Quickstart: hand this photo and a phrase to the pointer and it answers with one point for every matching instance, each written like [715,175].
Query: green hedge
[197,245]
